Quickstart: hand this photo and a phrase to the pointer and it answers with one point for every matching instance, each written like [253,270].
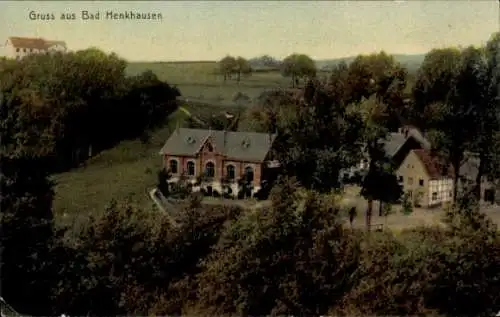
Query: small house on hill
[19,47]
[219,158]
[425,179]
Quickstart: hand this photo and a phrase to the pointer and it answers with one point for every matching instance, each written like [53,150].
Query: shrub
[293,258]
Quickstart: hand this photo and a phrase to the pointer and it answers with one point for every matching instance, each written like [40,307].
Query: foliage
[26,195]
[126,259]
[298,66]
[273,109]
[454,96]
[407,204]
[27,231]
[324,138]
[66,104]
[234,65]
[285,260]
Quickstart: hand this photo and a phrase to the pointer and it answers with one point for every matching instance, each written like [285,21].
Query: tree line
[295,66]
[294,257]
[68,107]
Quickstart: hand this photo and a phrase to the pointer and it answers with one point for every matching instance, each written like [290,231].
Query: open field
[200,81]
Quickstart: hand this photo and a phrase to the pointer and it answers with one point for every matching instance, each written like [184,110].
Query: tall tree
[324,138]
[241,67]
[448,94]
[487,120]
[298,66]
[376,85]
[227,66]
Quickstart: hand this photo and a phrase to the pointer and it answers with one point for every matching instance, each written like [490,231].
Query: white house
[19,47]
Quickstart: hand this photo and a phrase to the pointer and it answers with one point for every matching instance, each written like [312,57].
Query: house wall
[18,53]
[57,48]
[440,191]
[410,144]
[425,191]
[414,179]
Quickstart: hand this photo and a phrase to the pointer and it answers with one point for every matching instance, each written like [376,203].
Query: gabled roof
[433,165]
[33,43]
[243,146]
[395,140]
[393,143]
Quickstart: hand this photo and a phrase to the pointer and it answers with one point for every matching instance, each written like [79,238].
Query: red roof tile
[435,167]
[33,43]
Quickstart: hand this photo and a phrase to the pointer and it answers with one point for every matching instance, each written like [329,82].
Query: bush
[134,261]
[279,261]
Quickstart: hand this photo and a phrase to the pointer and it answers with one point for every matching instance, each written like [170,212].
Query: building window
[31,50]
[230,172]
[210,148]
[410,181]
[190,168]
[421,182]
[434,196]
[400,179]
[24,50]
[410,194]
[450,194]
[210,169]
[173,166]
[249,174]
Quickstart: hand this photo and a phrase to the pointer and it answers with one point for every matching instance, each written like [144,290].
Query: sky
[209,30]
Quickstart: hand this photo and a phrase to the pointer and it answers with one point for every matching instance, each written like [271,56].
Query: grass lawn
[199,80]
[126,171]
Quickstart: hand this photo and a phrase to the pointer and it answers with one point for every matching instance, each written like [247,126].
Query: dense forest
[294,257]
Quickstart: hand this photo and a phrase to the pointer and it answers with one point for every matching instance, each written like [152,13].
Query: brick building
[219,157]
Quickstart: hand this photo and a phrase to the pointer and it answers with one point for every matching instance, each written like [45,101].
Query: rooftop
[33,43]
[242,146]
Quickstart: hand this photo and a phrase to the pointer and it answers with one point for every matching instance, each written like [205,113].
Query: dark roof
[393,143]
[395,140]
[242,146]
[433,165]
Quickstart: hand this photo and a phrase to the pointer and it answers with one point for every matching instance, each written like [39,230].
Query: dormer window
[245,144]
[190,140]
[210,148]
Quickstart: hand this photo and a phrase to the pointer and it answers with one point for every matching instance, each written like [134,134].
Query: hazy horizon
[206,31]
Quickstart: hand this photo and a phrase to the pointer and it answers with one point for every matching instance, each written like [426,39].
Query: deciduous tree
[298,66]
